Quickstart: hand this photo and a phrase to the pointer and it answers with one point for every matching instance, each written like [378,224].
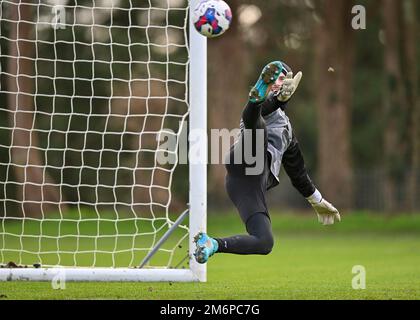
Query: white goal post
[108,78]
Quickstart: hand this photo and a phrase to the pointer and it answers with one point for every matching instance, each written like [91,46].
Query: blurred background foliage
[356,114]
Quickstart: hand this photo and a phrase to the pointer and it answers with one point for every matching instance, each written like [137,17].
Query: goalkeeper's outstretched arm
[295,168]
[294,165]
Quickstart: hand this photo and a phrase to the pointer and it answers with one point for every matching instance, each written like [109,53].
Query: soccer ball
[212,18]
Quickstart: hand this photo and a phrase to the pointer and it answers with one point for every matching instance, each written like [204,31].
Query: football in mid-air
[212,18]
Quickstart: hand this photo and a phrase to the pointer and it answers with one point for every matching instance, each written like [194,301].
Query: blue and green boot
[268,77]
[206,247]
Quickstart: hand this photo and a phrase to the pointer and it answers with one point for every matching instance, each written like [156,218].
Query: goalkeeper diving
[264,117]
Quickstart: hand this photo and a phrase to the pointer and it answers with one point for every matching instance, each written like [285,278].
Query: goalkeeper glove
[326,212]
[289,86]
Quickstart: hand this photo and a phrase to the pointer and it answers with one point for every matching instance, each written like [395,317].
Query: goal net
[90,90]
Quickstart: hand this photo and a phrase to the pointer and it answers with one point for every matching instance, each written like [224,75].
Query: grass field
[308,262]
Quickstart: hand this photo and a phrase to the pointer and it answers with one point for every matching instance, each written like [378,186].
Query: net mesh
[88,89]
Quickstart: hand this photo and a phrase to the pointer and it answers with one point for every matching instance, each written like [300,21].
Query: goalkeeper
[264,116]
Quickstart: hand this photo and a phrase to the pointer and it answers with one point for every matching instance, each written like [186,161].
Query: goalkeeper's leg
[248,193]
[259,241]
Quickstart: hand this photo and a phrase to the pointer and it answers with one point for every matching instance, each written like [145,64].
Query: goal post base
[98,275]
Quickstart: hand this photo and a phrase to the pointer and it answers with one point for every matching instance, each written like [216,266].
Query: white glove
[289,86]
[326,212]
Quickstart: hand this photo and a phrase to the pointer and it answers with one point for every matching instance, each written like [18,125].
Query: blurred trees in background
[356,114]
[334,59]
[33,183]
[401,101]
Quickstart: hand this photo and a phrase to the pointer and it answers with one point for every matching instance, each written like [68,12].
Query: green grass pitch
[308,262]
